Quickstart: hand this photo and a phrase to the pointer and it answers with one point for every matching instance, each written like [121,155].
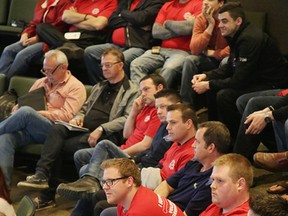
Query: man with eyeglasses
[104,114]
[131,25]
[64,96]
[189,188]
[160,146]
[140,129]
[122,185]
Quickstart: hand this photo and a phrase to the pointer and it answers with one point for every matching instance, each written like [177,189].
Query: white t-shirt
[6,208]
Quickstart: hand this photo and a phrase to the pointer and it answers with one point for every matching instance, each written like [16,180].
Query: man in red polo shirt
[88,20]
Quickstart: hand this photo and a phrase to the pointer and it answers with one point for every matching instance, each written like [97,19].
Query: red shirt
[176,157]
[95,8]
[147,123]
[49,14]
[118,35]
[146,202]
[175,11]
[214,210]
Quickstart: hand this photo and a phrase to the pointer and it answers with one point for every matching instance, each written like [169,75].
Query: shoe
[41,205]
[34,181]
[82,188]
[281,188]
[273,162]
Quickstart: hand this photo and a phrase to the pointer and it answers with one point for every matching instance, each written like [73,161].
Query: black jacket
[255,63]
[137,23]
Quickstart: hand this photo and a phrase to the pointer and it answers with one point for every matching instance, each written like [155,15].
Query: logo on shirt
[187,15]
[172,165]
[147,118]
[95,11]
[241,59]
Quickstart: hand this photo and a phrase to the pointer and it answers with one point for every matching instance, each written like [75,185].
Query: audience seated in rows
[255,63]
[208,48]
[247,71]
[64,97]
[139,130]
[159,146]
[17,57]
[104,114]
[131,25]
[173,25]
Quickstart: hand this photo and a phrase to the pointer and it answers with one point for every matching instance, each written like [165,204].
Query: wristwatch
[267,119]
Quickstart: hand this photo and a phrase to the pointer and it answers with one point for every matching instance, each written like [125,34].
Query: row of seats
[15,10]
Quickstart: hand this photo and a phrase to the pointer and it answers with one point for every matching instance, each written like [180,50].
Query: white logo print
[95,11]
[172,165]
[187,15]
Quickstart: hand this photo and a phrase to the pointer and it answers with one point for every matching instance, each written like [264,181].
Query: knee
[26,111]
[251,104]
[135,63]
[83,154]
[105,144]
[241,104]
[92,52]
[77,155]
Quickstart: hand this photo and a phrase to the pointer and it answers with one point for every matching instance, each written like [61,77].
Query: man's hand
[138,105]
[94,136]
[208,12]
[190,17]
[201,87]
[256,122]
[71,12]
[30,41]
[73,9]
[198,78]
[77,121]
[24,38]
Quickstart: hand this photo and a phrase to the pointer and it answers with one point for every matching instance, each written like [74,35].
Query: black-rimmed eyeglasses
[110,182]
[49,71]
